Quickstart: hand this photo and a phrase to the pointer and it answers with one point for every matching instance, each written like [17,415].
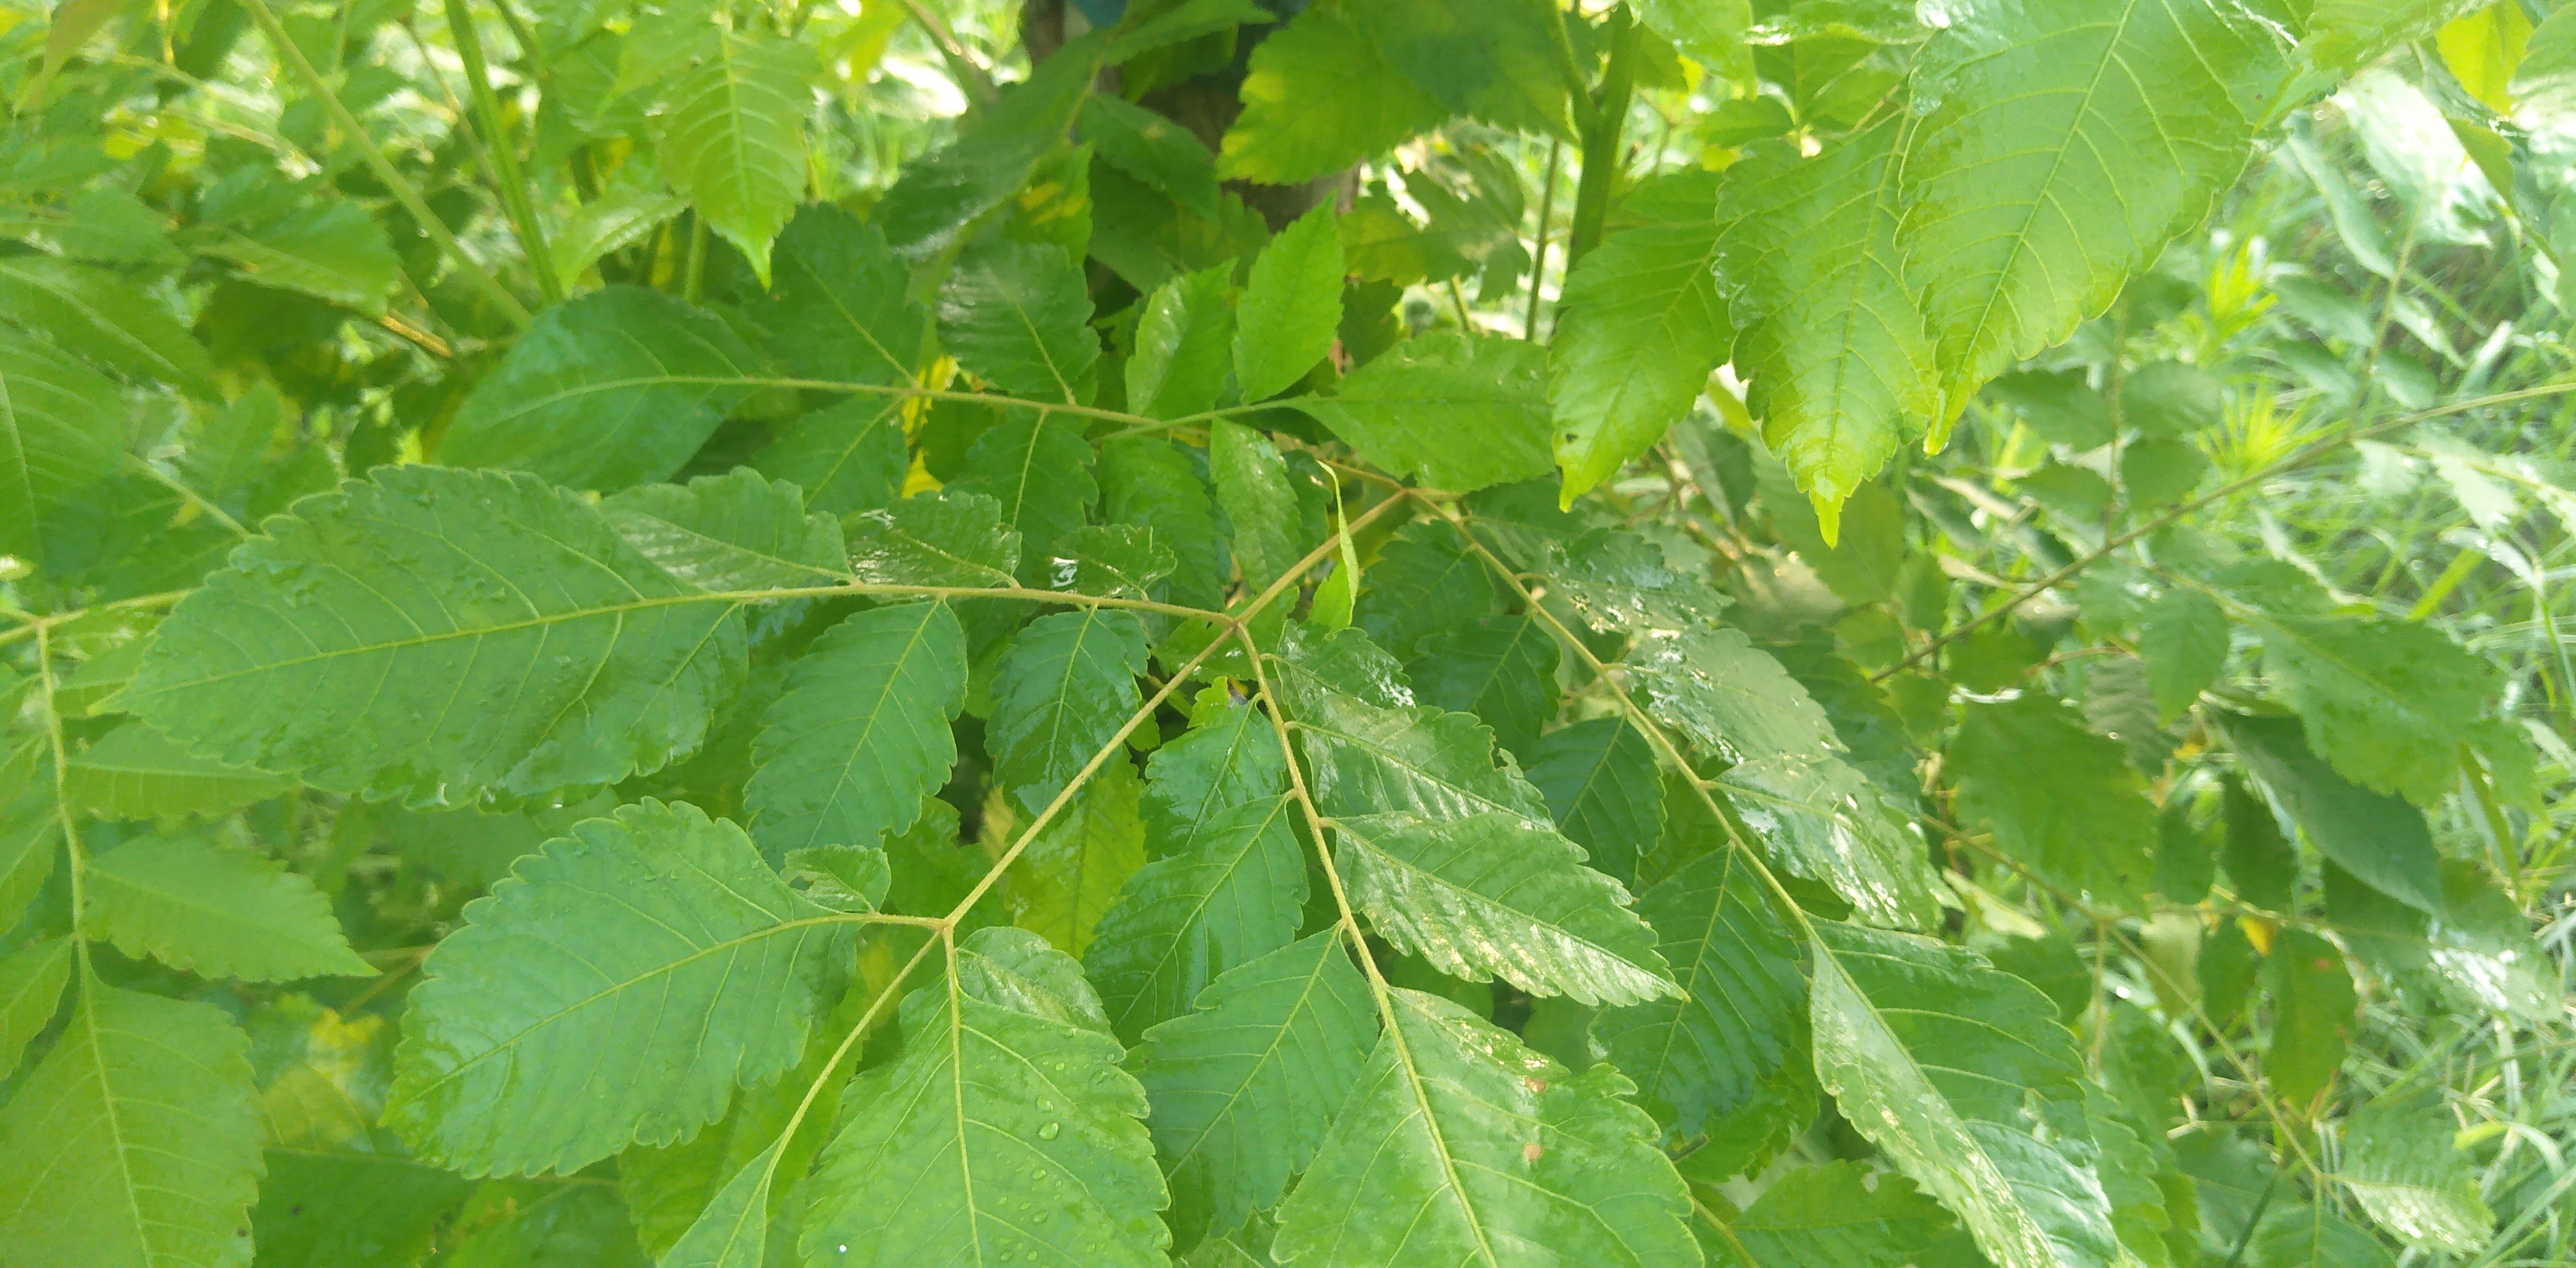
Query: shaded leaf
[214,911]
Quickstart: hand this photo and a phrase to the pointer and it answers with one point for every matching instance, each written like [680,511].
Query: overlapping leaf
[1059,694]
[848,752]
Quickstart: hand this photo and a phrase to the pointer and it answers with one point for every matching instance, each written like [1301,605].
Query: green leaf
[1118,561]
[2345,35]
[1367,758]
[1292,302]
[1182,339]
[1067,879]
[1840,1215]
[732,138]
[1061,691]
[2183,639]
[1729,697]
[947,538]
[106,319]
[135,772]
[1839,368]
[730,532]
[214,911]
[1153,149]
[1040,472]
[1496,63]
[1017,968]
[2087,828]
[1711,32]
[620,217]
[1017,316]
[1601,787]
[1424,582]
[655,944]
[1233,894]
[612,388]
[523,1224]
[1619,582]
[135,1142]
[1252,488]
[334,251]
[1741,1018]
[1493,894]
[1639,328]
[940,195]
[321,1209]
[2060,146]
[2480,949]
[1456,412]
[2301,1235]
[1319,97]
[1147,481]
[990,1117]
[733,1232]
[2389,703]
[2400,1164]
[848,753]
[2376,837]
[1459,1146]
[1229,757]
[1502,669]
[31,990]
[1955,1069]
[2313,1005]
[65,427]
[1233,1084]
[839,307]
[439,631]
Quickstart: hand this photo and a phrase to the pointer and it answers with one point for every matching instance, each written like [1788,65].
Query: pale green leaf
[1251,484]
[135,1142]
[1838,365]
[1069,876]
[31,990]
[991,158]
[135,772]
[989,1119]
[1291,304]
[2400,1163]
[612,388]
[1234,1084]
[733,1232]
[2087,828]
[1840,1215]
[1233,893]
[1640,327]
[2313,1007]
[849,751]
[1369,758]
[64,426]
[1729,697]
[620,217]
[1457,1145]
[1964,1077]
[1061,691]
[1182,339]
[839,307]
[1741,1017]
[2303,1235]
[1017,316]
[2059,146]
[1040,473]
[2183,639]
[214,911]
[2376,837]
[1494,895]
[655,944]
[2389,703]
[107,319]
[2345,35]
[441,632]
[333,250]
[733,139]
[730,532]
[1456,412]
[947,538]
[1319,97]
[848,457]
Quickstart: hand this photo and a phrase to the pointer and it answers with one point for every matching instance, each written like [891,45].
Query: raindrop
[1049,1131]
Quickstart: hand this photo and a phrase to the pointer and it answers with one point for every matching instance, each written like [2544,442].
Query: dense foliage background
[1376,632]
